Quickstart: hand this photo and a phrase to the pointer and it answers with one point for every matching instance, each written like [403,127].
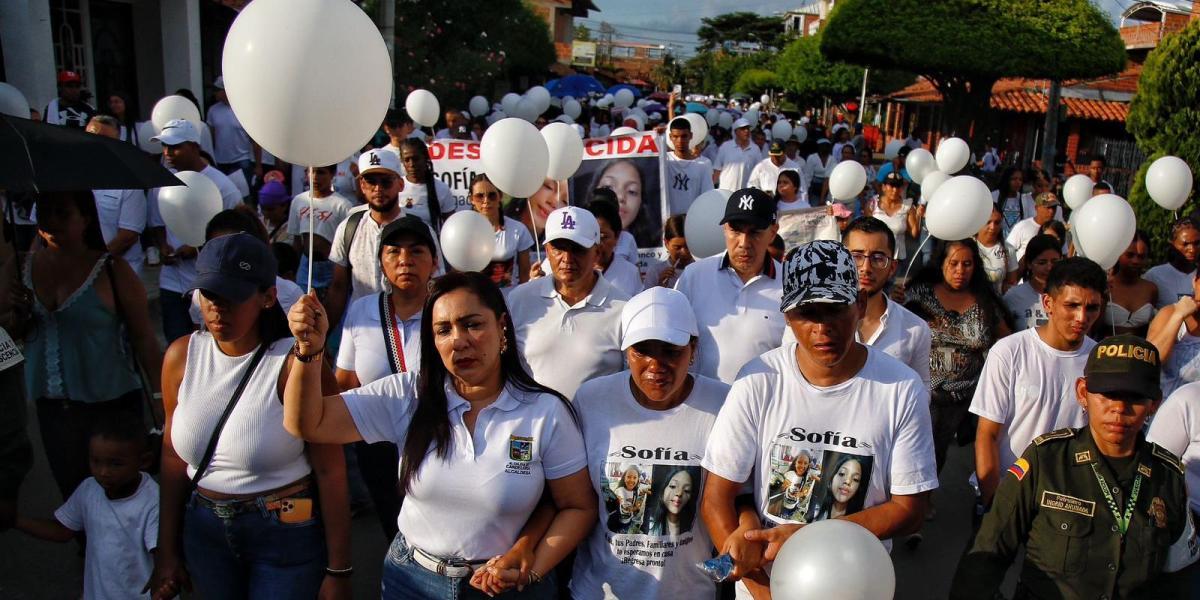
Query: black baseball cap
[234,267]
[776,148]
[750,205]
[407,225]
[1124,364]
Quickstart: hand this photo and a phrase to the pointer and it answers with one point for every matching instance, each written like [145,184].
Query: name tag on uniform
[1071,504]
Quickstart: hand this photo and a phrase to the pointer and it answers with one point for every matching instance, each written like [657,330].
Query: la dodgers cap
[378,160]
[574,224]
[658,313]
[821,271]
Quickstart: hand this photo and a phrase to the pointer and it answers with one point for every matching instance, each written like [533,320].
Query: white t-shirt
[1020,234]
[1025,306]
[328,213]
[474,502]
[178,277]
[735,164]
[1176,427]
[624,276]
[686,180]
[120,536]
[1172,283]
[231,143]
[798,204]
[512,240]
[639,552]
[123,209]
[1014,208]
[737,321]
[415,199]
[998,261]
[344,182]
[286,294]
[366,274]
[364,347]
[626,248]
[1029,388]
[871,432]
[765,174]
[564,346]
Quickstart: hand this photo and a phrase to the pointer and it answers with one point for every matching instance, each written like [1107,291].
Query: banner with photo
[456,162]
[805,225]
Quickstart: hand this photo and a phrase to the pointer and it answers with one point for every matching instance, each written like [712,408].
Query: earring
[503,344]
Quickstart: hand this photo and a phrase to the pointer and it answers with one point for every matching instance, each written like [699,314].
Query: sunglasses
[486,195]
[379,180]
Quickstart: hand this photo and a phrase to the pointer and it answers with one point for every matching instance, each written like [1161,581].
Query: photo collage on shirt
[650,499]
[806,484]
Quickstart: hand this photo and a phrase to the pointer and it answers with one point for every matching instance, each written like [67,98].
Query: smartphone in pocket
[295,510]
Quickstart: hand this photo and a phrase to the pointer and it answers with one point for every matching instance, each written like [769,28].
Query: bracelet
[340,573]
[303,358]
[534,576]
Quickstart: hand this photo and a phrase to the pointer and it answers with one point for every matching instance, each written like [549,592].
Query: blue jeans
[404,579]
[176,320]
[251,554]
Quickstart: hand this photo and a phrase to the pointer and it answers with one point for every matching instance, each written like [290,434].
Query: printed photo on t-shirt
[807,485]
[501,271]
[642,499]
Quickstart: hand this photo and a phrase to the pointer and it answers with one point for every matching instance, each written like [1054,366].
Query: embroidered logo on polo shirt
[520,448]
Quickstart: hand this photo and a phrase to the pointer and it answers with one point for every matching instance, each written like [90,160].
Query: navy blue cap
[235,266]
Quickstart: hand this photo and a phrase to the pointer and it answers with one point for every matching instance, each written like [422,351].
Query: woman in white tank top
[268,516]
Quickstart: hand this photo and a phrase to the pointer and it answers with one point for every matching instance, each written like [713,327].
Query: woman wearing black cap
[255,512]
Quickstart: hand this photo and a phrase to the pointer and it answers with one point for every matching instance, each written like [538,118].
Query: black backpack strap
[348,234]
[237,393]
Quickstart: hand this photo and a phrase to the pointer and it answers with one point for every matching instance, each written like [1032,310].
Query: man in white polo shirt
[569,326]
[766,173]
[824,428]
[736,158]
[736,293]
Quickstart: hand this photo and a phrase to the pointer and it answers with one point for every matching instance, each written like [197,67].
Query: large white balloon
[187,209]
[565,150]
[952,155]
[145,131]
[699,129]
[959,208]
[287,75]
[1169,182]
[800,132]
[817,560]
[170,108]
[781,130]
[468,241]
[752,116]
[622,131]
[514,156]
[540,98]
[423,107]
[572,109]
[933,180]
[918,163]
[527,109]
[1103,228]
[479,106]
[623,98]
[892,150]
[702,227]
[725,120]
[712,117]
[12,101]
[847,180]
[509,103]
[1077,190]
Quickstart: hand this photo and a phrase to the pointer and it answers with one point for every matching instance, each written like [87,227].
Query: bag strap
[393,342]
[348,234]
[237,394]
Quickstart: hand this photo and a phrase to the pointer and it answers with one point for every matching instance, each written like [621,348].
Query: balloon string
[537,248]
[914,256]
[312,190]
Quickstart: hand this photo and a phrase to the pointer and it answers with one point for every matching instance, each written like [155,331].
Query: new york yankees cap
[821,271]
[234,266]
[378,160]
[750,205]
[574,224]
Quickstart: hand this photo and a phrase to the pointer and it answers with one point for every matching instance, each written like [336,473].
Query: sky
[675,21]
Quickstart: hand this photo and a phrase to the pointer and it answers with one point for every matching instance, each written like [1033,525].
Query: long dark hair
[656,523]
[646,223]
[824,507]
[931,274]
[1002,189]
[54,204]
[430,424]
[1037,245]
[431,196]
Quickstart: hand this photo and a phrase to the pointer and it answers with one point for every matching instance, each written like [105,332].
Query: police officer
[1096,507]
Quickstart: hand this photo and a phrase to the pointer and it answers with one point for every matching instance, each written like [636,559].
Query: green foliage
[806,73]
[1164,117]
[756,81]
[455,50]
[739,27]
[717,72]
[582,33]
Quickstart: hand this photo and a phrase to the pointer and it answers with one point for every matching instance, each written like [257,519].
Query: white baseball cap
[574,224]
[176,132]
[378,160]
[740,123]
[658,313]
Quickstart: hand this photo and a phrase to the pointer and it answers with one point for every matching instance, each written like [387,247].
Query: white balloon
[565,148]
[468,241]
[699,129]
[622,131]
[187,209]
[479,106]
[514,156]
[952,155]
[509,103]
[815,561]
[423,107]
[527,109]
[959,208]
[540,97]
[623,98]
[766,99]
[572,109]
[892,149]
[605,101]
[702,227]
[12,101]
[496,116]
[933,180]
[170,108]
[918,163]
[1169,182]
[1077,190]
[1103,228]
[752,116]
[847,181]
[145,131]
[712,117]
[286,73]
[781,130]
[726,120]
[641,102]
[565,118]
[800,132]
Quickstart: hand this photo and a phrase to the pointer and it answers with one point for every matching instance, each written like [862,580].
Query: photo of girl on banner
[631,167]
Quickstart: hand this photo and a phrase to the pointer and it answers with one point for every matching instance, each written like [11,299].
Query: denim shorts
[404,579]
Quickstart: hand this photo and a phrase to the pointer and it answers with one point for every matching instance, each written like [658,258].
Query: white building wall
[29,49]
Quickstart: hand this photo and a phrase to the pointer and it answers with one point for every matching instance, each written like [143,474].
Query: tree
[805,73]
[737,27]
[717,72]
[670,72]
[963,46]
[1165,121]
[582,33]
[455,50]
[756,81]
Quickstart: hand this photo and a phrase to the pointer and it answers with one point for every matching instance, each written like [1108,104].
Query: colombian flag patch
[1019,468]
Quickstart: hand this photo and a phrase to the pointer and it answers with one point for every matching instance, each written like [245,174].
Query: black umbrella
[51,158]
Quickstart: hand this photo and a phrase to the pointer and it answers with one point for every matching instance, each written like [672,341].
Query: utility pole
[1049,141]
[862,100]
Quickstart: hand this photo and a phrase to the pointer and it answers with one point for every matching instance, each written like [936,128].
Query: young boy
[118,510]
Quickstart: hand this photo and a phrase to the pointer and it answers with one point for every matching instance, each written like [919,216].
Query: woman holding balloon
[510,261]
[1131,298]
